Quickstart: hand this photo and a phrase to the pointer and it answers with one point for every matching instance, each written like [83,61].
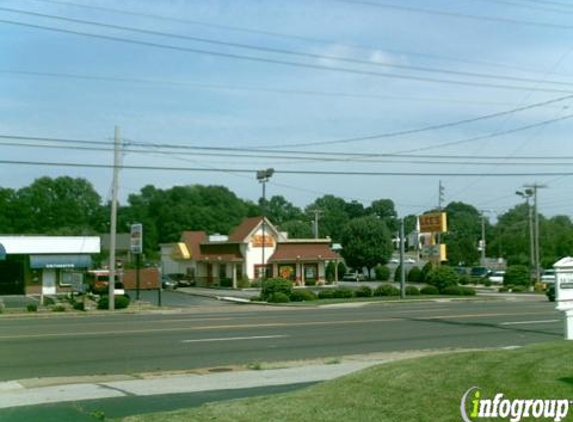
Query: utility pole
[402,268]
[113,218]
[441,198]
[534,187]
[483,239]
[316,212]
[263,176]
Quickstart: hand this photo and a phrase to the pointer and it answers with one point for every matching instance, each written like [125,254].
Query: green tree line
[71,206]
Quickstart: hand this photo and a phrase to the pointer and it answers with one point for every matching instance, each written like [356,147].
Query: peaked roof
[241,232]
[192,240]
[311,250]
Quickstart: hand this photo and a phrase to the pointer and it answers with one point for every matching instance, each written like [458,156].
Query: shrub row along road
[65,345]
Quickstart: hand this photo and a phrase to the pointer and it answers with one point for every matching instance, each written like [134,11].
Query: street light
[527,194]
[263,176]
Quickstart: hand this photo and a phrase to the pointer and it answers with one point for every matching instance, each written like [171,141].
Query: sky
[460,92]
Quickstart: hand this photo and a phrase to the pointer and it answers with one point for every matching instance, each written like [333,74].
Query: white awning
[27,245]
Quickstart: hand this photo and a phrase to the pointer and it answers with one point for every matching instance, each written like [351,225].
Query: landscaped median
[515,384]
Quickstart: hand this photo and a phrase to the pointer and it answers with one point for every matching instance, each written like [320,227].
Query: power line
[290,172]
[99,78]
[455,14]
[526,6]
[285,51]
[281,62]
[285,36]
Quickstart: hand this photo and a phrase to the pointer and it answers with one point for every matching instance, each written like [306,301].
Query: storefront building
[45,264]
[252,250]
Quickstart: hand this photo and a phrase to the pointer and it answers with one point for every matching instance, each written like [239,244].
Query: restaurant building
[253,249]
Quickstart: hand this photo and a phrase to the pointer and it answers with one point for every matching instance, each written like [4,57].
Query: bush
[487,282]
[363,291]
[326,294]
[452,291]
[256,299]
[341,270]
[465,279]
[32,307]
[398,273]
[243,282]
[276,285]
[426,269]
[302,296]
[278,297]
[79,306]
[430,290]
[468,291]
[517,275]
[415,275]
[342,293]
[121,302]
[59,308]
[49,301]
[519,289]
[310,283]
[225,282]
[412,291]
[330,271]
[387,290]
[442,277]
[382,273]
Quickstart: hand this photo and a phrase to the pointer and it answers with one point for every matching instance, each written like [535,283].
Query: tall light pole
[263,176]
[533,188]
[526,194]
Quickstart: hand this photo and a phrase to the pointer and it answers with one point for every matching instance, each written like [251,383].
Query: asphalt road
[66,345]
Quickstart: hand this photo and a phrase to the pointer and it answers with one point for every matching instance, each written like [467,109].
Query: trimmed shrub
[387,290]
[382,273]
[429,266]
[326,294]
[278,297]
[225,282]
[452,291]
[59,308]
[398,273]
[415,275]
[487,282]
[32,307]
[310,283]
[412,291]
[363,291]
[341,270]
[429,290]
[121,302]
[79,306]
[517,275]
[243,282]
[442,277]
[49,301]
[342,293]
[468,291]
[464,279]
[276,285]
[330,271]
[302,296]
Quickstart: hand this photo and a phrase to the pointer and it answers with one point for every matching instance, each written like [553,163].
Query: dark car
[480,272]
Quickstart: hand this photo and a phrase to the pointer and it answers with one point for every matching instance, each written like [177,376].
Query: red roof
[192,241]
[220,252]
[240,232]
[304,251]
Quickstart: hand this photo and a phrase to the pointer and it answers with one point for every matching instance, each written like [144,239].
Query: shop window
[311,272]
[259,271]
[71,278]
[287,271]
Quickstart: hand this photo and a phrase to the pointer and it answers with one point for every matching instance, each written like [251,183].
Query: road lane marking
[545,321]
[205,340]
[260,325]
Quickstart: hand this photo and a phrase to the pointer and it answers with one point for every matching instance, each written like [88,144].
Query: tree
[384,209]
[57,206]
[442,277]
[279,210]
[297,229]
[366,242]
[464,233]
[7,210]
[333,216]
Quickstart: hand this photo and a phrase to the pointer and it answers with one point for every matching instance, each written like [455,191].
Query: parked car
[497,277]
[548,277]
[480,272]
[168,283]
[353,276]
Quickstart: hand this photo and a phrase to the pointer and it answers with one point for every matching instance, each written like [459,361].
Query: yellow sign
[433,223]
[258,241]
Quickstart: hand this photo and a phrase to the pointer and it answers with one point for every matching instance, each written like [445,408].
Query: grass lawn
[418,390]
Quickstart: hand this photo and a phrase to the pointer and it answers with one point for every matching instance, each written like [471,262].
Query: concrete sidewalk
[15,394]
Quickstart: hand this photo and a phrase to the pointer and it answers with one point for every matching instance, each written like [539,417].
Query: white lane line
[545,321]
[204,340]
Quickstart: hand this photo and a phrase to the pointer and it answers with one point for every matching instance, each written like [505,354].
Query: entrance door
[49,282]
[11,278]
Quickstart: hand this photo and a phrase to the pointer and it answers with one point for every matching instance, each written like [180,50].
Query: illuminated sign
[433,223]
[258,241]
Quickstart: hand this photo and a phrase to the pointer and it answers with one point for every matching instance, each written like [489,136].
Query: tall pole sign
[136,243]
